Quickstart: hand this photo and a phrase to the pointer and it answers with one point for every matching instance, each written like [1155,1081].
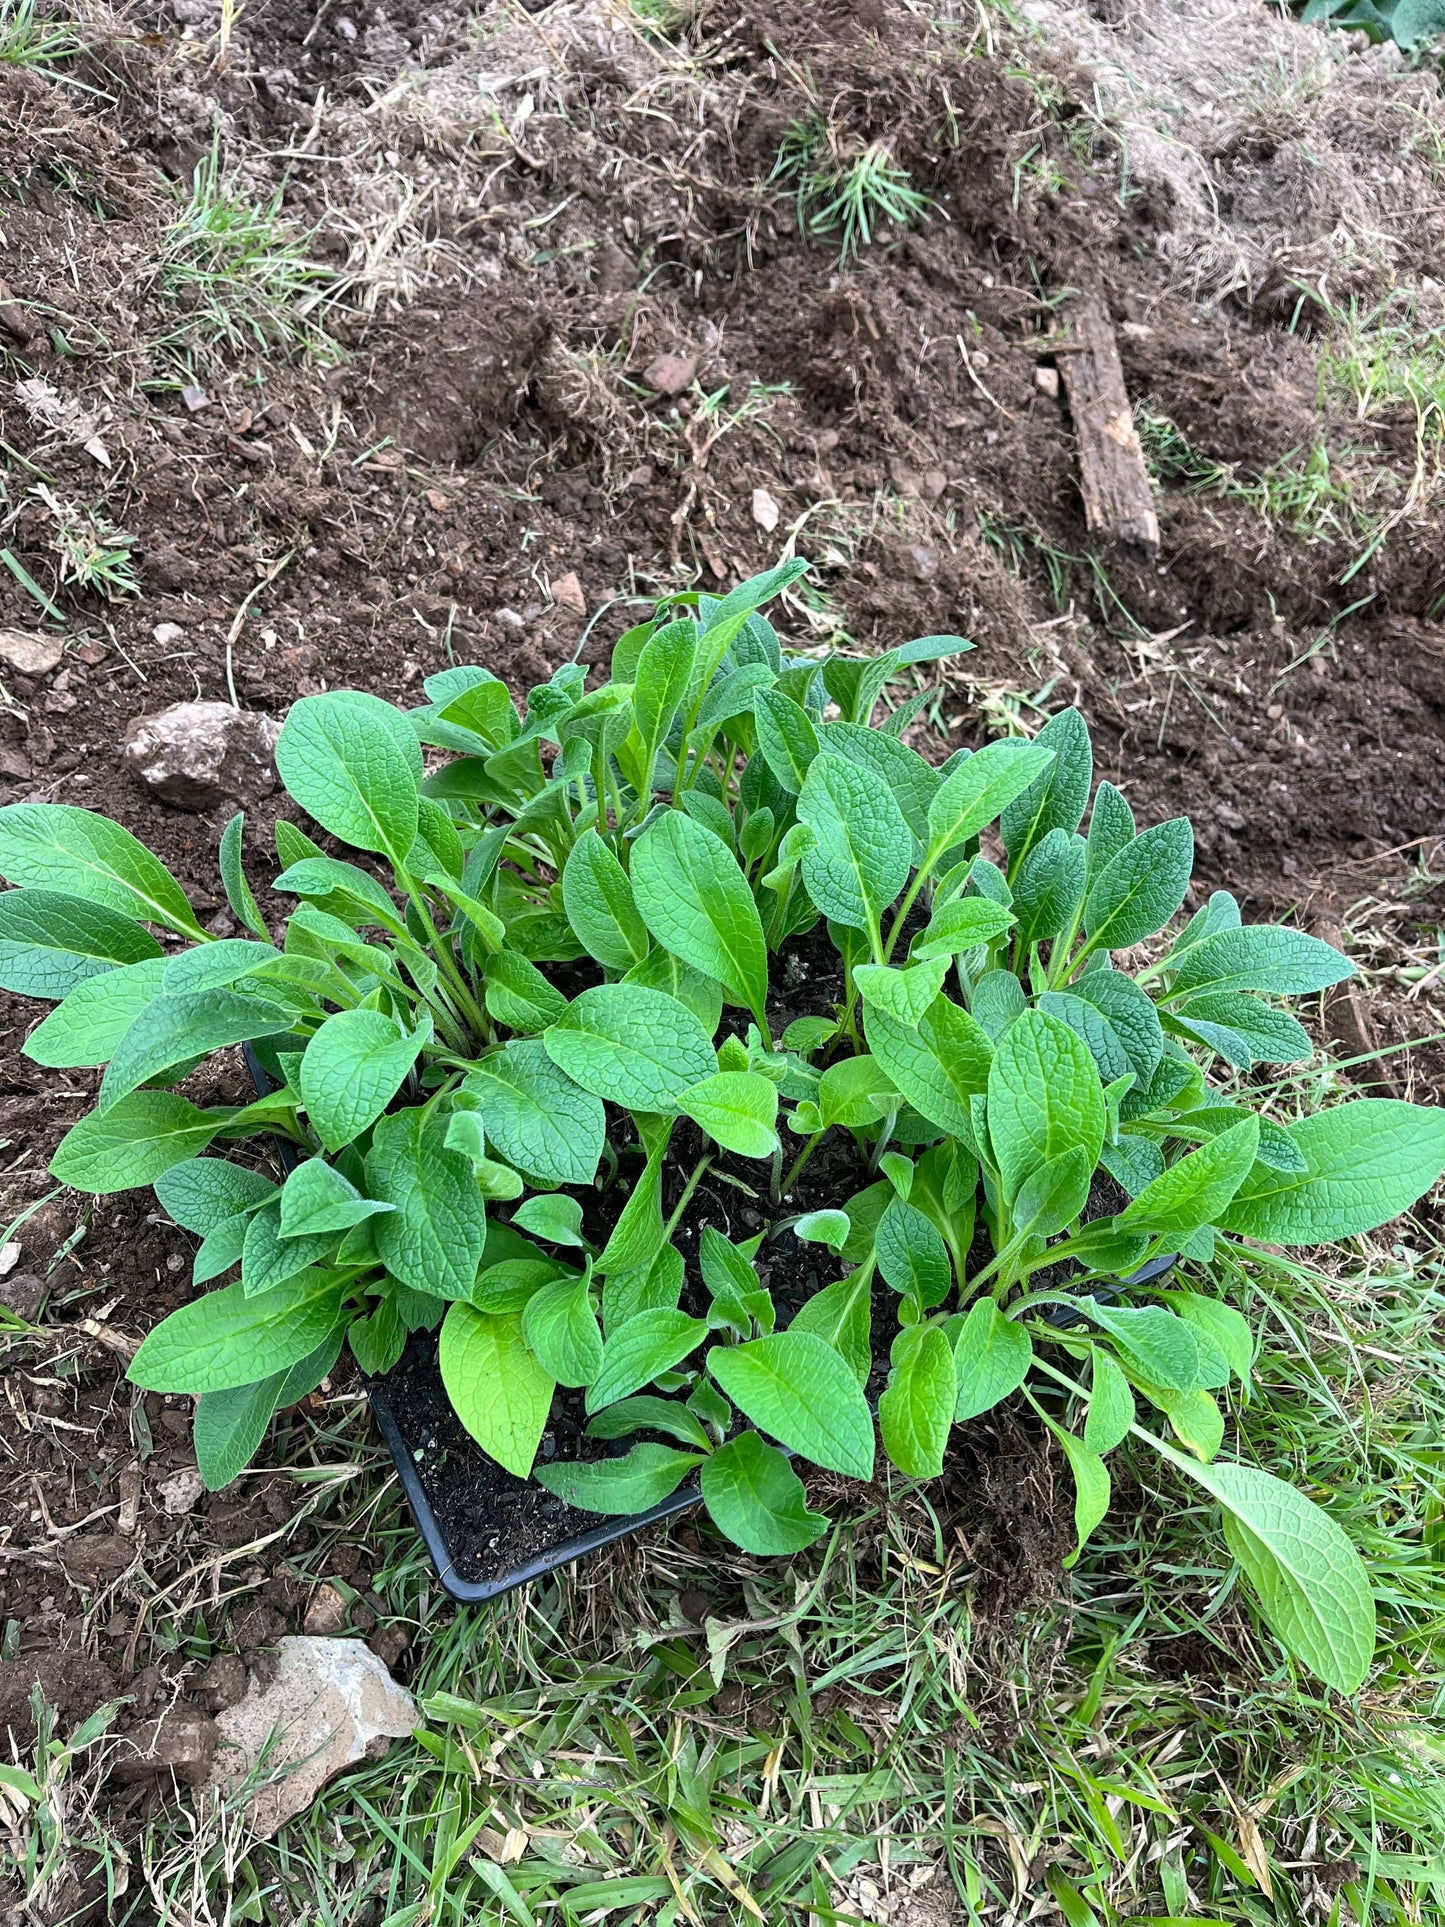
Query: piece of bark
[1118,500]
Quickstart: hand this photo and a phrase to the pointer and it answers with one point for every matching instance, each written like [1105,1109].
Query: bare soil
[528,210]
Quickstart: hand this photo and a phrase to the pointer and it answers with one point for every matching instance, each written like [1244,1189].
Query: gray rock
[194,755]
[29,655]
[329,1704]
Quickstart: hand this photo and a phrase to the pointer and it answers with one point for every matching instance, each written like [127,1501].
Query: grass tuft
[29,40]
[843,191]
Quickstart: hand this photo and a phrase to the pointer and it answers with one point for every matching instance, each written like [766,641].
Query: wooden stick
[1118,499]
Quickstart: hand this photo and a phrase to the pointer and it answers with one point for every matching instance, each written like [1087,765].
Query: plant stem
[686,1199]
[783,1186]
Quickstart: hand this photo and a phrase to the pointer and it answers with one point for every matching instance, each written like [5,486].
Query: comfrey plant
[554,964]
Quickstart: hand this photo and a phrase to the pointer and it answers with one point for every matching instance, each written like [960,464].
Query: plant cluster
[844,190]
[484,1036]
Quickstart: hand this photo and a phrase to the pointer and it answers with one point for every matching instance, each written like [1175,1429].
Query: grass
[238,275]
[1304,497]
[31,41]
[842,190]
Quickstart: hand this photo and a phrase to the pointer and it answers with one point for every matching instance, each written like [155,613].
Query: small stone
[670,374]
[194,755]
[765,510]
[23,1294]
[30,655]
[223,1684]
[925,563]
[510,620]
[182,1741]
[389,1643]
[14,765]
[166,633]
[1275,711]
[1046,380]
[330,1704]
[567,593]
[181,1492]
[934,483]
[326,1615]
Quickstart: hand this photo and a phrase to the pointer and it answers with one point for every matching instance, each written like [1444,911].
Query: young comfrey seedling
[488,1036]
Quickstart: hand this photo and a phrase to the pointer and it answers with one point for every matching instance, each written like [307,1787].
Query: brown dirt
[527,217]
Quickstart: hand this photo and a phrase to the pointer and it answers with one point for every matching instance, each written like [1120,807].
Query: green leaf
[86,1028]
[938,1066]
[560,1326]
[855,1091]
[914,782]
[170,1030]
[1111,828]
[647,1414]
[558,1220]
[645,1345]
[786,737]
[1044,1097]
[1091,1486]
[756,1498]
[1221,1326]
[643,1478]
[654,1286]
[317,1198]
[343,759]
[1310,1581]
[1139,890]
[916,1410]
[213,966]
[1366,1162]
[351,1070]
[1130,1014]
[509,1284]
[1053,1195]
[983,786]
[243,904]
[134,1142]
[660,680]
[739,1109]
[638,1235]
[600,905]
[961,925]
[841,1315]
[998,998]
[695,900]
[1057,798]
[1098,1033]
[50,942]
[269,1260]
[1154,1344]
[518,995]
[229,1427]
[1048,885]
[912,1255]
[1261,956]
[1195,1190]
[225,1339]
[795,1387]
[903,995]
[991,1358]
[640,1048]
[1111,1407]
[497,1389]
[536,1117]
[862,849]
[341,885]
[660,970]
[829,1228]
[203,1193]
[59,848]
[434,1238]
[1242,1029]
